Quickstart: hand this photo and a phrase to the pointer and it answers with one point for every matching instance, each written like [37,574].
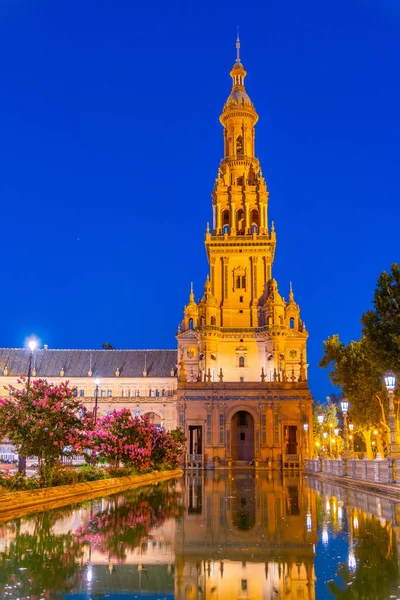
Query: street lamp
[32,344]
[336,432]
[96,398]
[390,382]
[351,427]
[320,419]
[305,425]
[345,408]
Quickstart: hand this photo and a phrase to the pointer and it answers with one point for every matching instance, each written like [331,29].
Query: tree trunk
[366,433]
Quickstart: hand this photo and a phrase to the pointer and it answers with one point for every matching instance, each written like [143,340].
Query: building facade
[242,379]
[237,383]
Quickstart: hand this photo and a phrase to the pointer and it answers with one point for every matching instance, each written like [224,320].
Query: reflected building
[245,536]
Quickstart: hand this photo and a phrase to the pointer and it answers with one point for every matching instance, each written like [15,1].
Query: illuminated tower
[241,331]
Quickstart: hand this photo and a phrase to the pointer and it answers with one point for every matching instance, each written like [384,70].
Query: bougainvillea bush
[122,438]
[44,420]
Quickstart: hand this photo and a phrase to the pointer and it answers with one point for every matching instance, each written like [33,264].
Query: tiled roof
[76,363]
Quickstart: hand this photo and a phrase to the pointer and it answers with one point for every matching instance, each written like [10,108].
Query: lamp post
[390,382]
[345,408]
[305,425]
[351,427]
[96,398]
[336,432]
[32,346]
[330,437]
[320,421]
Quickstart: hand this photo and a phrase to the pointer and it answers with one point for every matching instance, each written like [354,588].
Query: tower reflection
[245,536]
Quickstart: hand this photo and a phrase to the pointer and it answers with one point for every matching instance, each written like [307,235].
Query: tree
[44,420]
[329,412]
[382,323]
[361,382]
[119,437]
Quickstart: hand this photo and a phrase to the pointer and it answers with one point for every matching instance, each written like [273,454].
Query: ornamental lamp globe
[345,406]
[320,419]
[32,345]
[390,381]
[305,427]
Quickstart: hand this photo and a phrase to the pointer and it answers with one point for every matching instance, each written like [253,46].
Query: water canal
[223,535]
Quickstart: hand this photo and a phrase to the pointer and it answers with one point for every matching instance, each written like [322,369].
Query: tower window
[241,312]
[243,281]
[240,298]
[241,379]
[191,326]
[225,217]
[239,145]
[241,361]
[254,229]
[225,229]
[291,323]
[213,321]
[254,217]
[240,221]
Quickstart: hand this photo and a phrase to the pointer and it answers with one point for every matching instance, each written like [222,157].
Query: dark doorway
[291,439]
[195,440]
[242,432]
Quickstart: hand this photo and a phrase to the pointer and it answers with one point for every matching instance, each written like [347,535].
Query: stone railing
[378,470]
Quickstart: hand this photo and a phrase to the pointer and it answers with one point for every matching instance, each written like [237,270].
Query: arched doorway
[242,435]
[154,418]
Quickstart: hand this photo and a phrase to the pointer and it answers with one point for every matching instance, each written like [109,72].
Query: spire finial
[191,287]
[238,47]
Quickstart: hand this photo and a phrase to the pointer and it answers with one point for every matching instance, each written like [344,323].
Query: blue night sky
[110,144]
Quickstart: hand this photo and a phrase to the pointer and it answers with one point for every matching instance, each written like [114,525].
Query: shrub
[121,471]
[19,483]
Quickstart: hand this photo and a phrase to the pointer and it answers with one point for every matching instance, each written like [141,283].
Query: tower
[242,334]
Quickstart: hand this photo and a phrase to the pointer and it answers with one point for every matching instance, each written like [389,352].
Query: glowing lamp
[305,427]
[390,381]
[320,419]
[345,406]
[32,345]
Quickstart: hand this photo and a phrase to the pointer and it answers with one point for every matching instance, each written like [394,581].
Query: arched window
[191,325]
[291,323]
[239,145]
[201,321]
[157,393]
[241,361]
[240,221]
[138,393]
[151,393]
[237,281]
[254,229]
[254,217]
[280,320]
[243,281]
[213,321]
[225,229]
[225,217]
[239,181]
[164,392]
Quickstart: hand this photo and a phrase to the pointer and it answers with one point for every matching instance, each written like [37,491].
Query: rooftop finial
[238,47]
[191,287]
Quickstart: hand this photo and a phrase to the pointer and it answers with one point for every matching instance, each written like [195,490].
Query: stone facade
[242,389]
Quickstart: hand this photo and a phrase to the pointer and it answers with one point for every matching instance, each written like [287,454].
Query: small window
[243,281]
[109,393]
[123,393]
[241,311]
[103,393]
[244,585]
[137,393]
[157,393]
[240,298]
[76,393]
[151,393]
[291,323]
[241,361]
[241,379]
[81,393]
[130,393]
[191,325]
[254,229]
[238,282]
[242,436]
[164,392]
[213,321]
[225,229]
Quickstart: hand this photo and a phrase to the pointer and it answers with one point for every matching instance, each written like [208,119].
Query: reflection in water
[219,535]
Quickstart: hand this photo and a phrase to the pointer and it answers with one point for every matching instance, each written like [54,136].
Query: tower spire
[238,47]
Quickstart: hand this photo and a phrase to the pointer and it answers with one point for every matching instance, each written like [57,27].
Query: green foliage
[18,482]
[121,471]
[69,476]
[382,323]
